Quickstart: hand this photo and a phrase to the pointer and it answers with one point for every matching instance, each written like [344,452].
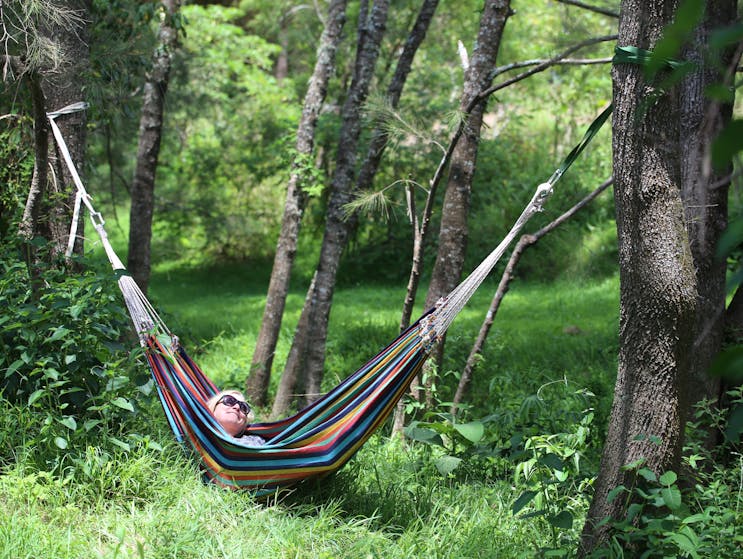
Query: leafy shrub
[697,514]
[61,358]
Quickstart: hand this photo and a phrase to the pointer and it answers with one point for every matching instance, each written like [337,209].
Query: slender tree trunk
[394,91]
[64,86]
[298,353]
[453,231]
[148,151]
[523,243]
[705,192]
[286,248]
[658,288]
[371,30]
[29,226]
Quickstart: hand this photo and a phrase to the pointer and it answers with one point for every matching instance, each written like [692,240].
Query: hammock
[322,437]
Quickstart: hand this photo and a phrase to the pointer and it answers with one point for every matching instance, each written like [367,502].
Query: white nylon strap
[82,194]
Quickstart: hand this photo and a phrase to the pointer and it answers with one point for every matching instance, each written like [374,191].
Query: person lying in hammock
[233,413]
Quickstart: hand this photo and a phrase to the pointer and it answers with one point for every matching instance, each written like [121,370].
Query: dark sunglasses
[230,401]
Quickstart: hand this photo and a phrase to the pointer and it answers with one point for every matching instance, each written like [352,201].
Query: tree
[659,285]
[453,230]
[148,151]
[704,189]
[309,343]
[46,44]
[286,248]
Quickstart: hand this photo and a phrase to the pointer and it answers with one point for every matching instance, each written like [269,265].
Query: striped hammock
[321,438]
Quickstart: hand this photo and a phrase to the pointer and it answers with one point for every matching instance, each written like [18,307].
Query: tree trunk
[453,231]
[657,282]
[705,193]
[286,248]
[371,31]
[524,242]
[29,226]
[150,134]
[297,354]
[379,137]
[63,86]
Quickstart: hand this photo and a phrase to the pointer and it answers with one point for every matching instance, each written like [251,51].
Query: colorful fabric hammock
[322,437]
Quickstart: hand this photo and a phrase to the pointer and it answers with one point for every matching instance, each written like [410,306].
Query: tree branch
[598,10]
[524,242]
[540,67]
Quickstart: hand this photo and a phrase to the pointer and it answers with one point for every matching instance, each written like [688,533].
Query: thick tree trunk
[150,134]
[64,86]
[523,243]
[657,281]
[286,248]
[705,193]
[453,231]
[371,31]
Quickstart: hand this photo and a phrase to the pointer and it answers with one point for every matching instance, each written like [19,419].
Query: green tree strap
[587,137]
[635,55]
[622,55]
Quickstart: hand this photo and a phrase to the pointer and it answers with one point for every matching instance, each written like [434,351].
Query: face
[232,418]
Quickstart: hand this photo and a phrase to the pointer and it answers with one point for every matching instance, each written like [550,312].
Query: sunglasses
[230,401]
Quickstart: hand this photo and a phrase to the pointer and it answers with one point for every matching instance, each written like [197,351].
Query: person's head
[231,410]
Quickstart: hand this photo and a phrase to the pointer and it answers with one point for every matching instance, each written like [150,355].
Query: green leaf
[552,461]
[647,474]
[91,423]
[668,478]
[671,497]
[615,492]
[727,144]
[60,442]
[447,464]
[428,436]
[735,424]
[13,367]
[59,333]
[123,403]
[35,396]
[562,520]
[523,500]
[120,443]
[472,431]
[728,364]
[69,422]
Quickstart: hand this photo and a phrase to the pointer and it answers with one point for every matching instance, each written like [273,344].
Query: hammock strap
[435,325]
[144,316]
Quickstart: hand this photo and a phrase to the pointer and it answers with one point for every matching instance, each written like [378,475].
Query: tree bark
[260,371]
[453,230]
[29,226]
[524,242]
[63,86]
[289,380]
[657,281]
[705,193]
[371,30]
[148,151]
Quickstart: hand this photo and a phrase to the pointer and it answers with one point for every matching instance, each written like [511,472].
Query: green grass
[152,505]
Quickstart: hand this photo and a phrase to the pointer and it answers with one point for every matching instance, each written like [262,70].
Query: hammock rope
[322,437]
